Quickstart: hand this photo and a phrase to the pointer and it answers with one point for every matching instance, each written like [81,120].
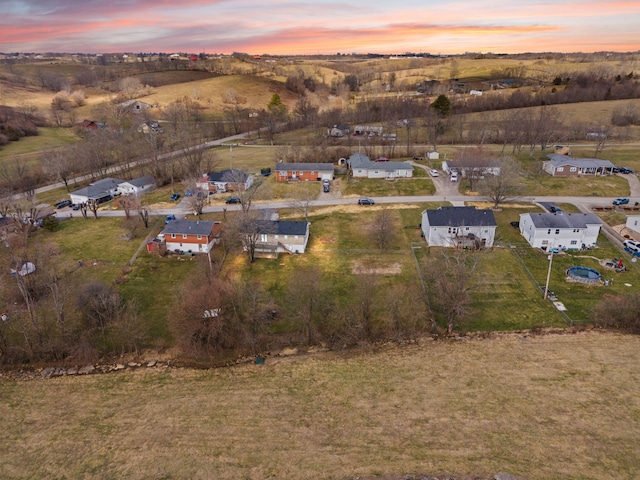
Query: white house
[225,181]
[560,230]
[362,167]
[100,191]
[633,223]
[472,167]
[279,236]
[137,186]
[459,227]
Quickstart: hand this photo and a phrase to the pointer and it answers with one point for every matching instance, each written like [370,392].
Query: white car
[454,176]
[631,245]
[433,172]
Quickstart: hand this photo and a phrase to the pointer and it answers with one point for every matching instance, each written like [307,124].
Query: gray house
[565,166]
[361,166]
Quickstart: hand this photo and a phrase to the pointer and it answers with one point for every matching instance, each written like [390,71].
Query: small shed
[433,155]
[157,245]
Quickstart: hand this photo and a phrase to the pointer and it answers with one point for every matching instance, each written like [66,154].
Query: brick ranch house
[314,172]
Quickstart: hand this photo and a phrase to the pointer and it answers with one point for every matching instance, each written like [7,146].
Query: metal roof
[359,160]
[558,160]
[280,227]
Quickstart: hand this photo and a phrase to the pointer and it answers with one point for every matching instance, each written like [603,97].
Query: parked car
[454,176]
[626,170]
[188,193]
[325,187]
[631,246]
[175,197]
[554,209]
[63,203]
[169,218]
[76,206]
[433,172]
[621,201]
[233,200]
[366,201]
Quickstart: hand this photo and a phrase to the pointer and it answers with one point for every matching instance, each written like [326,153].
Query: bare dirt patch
[362,268]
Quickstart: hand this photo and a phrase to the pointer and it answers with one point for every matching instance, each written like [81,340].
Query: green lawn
[47,138]
[375,187]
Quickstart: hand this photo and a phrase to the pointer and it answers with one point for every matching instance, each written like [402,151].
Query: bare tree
[306,292]
[500,188]
[59,164]
[451,277]
[382,228]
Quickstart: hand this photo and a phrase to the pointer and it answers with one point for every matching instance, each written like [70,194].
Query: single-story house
[361,166]
[565,166]
[188,236]
[100,191]
[459,227]
[90,125]
[286,172]
[225,181]
[560,230]
[472,167]
[137,186]
[279,236]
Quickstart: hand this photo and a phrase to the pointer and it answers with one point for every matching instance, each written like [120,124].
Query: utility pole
[546,288]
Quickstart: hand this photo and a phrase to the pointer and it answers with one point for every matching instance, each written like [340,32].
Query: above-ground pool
[583,274]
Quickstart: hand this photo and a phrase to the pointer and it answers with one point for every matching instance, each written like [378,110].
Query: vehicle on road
[233,200]
[433,172]
[63,204]
[175,197]
[621,201]
[366,201]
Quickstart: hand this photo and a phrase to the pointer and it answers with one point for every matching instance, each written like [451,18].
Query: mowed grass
[376,187]
[555,406]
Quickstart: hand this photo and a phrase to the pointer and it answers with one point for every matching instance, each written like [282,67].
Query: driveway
[444,186]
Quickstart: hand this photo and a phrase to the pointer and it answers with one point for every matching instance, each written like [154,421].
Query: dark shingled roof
[564,220]
[281,227]
[189,227]
[460,216]
[228,176]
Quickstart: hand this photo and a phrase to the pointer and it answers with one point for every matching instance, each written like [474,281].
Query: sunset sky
[321,26]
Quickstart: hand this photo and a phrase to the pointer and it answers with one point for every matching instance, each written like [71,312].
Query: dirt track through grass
[556,406]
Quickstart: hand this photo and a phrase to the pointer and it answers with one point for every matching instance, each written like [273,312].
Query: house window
[283,174]
[574,242]
[296,237]
[184,235]
[173,235]
[549,232]
[573,169]
[545,242]
[453,230]
[560,169]
[557,231]
[277,237]
[467,229]
[199,237]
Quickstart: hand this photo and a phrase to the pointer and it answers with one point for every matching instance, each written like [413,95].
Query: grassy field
[555,406]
